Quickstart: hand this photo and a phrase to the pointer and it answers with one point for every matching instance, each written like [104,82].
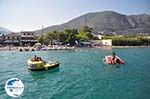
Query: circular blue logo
[14,87]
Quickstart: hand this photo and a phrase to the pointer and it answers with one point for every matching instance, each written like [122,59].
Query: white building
[107,42]
[100,36]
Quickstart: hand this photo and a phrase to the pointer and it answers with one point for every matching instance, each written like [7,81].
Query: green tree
[84,36]
[85,28]
[71,36]
[40,39]
[49,37]
[61,37]
[85,33]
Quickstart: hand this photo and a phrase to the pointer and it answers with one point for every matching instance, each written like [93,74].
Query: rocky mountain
[4,30]
[107,21]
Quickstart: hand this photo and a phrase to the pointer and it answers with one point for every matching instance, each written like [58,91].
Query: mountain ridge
[108,21]
[4,30]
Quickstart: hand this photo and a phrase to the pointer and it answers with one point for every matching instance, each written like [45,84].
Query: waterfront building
[12,39]
[96,42]
[103,42]
[100,36]
[107,42]
[27,38]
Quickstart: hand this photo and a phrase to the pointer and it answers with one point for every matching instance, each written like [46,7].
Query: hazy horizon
[29,15]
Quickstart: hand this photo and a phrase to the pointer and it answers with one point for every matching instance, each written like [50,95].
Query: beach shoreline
[17,48]
[130,46]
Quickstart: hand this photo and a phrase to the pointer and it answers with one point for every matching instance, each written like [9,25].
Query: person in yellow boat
[39,59]
[35,58]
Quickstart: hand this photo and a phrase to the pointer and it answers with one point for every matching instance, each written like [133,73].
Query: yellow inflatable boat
[41,65]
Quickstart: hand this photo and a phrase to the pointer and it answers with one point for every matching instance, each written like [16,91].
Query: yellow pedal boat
[41,65]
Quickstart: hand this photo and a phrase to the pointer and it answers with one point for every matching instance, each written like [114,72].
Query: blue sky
[22,15]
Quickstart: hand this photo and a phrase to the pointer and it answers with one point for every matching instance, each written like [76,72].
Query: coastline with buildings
[104,29]
[27,41]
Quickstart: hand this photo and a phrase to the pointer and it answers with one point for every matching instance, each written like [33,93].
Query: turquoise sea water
[81,75]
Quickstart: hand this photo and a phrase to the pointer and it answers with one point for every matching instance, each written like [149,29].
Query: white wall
[107,42]
[100,37]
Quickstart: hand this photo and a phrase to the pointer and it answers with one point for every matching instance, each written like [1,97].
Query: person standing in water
[113,61]
[113,55]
